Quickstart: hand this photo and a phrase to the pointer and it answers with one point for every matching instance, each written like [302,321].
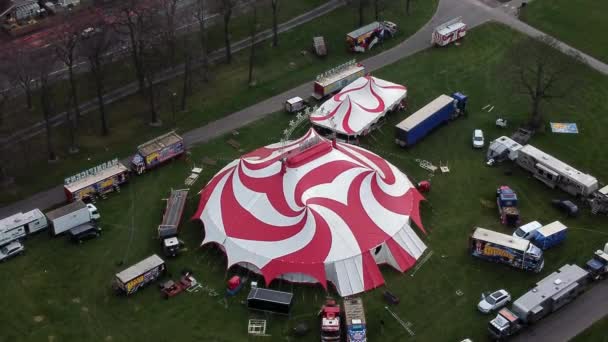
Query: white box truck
[69,216]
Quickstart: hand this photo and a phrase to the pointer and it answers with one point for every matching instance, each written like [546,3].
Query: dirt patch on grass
[38,318]
[76,300]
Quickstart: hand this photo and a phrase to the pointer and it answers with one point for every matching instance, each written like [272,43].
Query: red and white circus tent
[313,210]
[358,106]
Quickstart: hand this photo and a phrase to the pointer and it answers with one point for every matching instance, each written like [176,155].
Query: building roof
[140,268]
[552,285]
[314,211]
[500,239]
[424,112]
[559,166]
[89,180]
[158,143]
[358,105]
[66,209]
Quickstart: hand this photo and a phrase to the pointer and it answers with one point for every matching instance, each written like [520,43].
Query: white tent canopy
[358,106]
[313,211]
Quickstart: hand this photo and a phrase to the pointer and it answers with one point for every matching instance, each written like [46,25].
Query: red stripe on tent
[407,204]
[324,174]
[338,96]
[379,108]
[403,259]
[379,163]
[372,277]
[241,224]
[308,260]
[345,125]
[207,191]
[272,187]
[365,231]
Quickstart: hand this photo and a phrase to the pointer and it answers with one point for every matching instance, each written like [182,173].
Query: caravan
[555,173]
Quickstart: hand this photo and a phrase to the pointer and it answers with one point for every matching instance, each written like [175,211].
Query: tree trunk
[46,111]
[275,28]
[376,10]
[186,85]
[254,25]
[99,88]
[136,56]
[28,96]
[227,38]
[74,91]
[152,103]
[407,7]
[361,4]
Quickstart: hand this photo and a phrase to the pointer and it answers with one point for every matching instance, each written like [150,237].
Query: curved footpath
[561,326]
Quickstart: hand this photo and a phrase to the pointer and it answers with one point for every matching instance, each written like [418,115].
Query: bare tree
[377,7]
[18,65]
[153,58]
[361,7]
[43,67]
[253,31]
[226,9]
[542,73]
[131,21]
[169,28]
[95,49]
[275,24]
[199,14]
[187,80]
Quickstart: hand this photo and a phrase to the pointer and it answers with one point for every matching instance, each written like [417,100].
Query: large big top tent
[313,210]
[358,106]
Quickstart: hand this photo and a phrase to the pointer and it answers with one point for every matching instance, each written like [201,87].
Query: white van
[527,230]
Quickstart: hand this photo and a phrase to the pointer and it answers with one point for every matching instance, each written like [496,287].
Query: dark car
[84,232]
[566,206]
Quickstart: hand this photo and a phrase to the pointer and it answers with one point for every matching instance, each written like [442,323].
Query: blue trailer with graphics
[421,123]
[157,151]
[506,249]
[550,235]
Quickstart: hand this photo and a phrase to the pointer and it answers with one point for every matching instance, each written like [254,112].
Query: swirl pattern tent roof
[313,210]
[359,105]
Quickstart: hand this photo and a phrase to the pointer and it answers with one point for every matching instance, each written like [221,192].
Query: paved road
[572,319]
[132,88]
[563,325]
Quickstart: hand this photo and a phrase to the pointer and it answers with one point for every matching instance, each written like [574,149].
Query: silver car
[493,301]
[10,250]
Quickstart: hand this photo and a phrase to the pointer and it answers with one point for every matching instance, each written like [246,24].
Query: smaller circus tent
[358,106]
[313,210]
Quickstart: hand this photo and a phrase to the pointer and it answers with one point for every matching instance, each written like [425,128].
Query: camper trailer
[501,149]
[555,173]
[549,294]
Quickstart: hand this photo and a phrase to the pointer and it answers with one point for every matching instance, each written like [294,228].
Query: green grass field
[580,23]
[61,291]
[276,70]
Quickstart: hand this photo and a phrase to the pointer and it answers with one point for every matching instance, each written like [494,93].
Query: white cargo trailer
[555,173]
[71,215]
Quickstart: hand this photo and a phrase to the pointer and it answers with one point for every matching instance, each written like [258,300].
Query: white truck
[19,225]
[72,215]
[449,32]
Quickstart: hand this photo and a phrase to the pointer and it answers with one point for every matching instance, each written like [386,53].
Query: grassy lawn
[581,23]
[276,70]
[62,290]
[596,332]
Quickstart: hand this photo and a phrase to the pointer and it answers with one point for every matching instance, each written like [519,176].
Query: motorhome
[555,173]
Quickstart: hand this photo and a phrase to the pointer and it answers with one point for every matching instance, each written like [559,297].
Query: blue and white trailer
[550,235]
[421,123]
